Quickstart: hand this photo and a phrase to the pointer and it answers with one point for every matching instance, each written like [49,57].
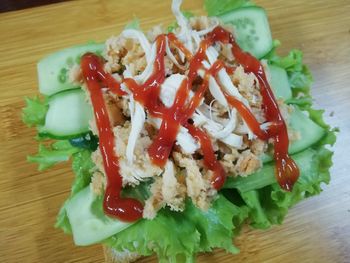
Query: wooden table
[317,230]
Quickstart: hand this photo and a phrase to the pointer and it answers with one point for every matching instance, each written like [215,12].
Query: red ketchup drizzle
[210,160]
[125,209]
[287,171]
[179,113]
[148,95]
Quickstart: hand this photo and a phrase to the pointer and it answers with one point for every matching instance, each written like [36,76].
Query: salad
[181,135]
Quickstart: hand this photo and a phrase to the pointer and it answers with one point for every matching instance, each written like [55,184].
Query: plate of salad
[181,135]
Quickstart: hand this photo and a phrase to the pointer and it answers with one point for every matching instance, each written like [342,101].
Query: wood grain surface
[316,230]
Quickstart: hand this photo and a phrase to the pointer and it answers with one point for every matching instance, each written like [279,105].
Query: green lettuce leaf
[317,117]
[218,7]
[82,165]
[48,156]
[33,114]
[266,176]
[269,205]
[299,76]
[177,237]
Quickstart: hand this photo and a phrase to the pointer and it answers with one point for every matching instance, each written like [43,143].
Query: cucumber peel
[53,70]
[88,227]
[251,29]
[68,115]
[266,175]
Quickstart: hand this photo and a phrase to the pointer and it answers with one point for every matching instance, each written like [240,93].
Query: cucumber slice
[309,132]
[68,115]
[266,175]
[53,70]
[279,82]
[87,228]
[252,29]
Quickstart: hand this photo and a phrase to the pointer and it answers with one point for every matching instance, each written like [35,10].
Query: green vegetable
[251,28]
[176,237]
[279,82]
[35,111]
[68,115]
[265,176]
[218,7]
[53,70]
[88,222]
[88,141]
[299,76]
[81,166]
[270,204]
[48,156]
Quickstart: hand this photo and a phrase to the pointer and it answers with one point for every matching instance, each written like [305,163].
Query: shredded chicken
[121,51]
[201,22]
[185,174]
[198,185]
[229,160]
[154,32]
[75,75]
[247,163]
[155,202]
[141,168]
[98,183]
[166,191]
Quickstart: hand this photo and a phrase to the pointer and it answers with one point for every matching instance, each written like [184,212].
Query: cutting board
[316,230]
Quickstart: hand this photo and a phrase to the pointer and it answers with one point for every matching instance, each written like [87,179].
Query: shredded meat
[198,186]
[185,175]
[141,167]
[75,75]
[115,112]
[98,183]
[121,51]
[247,163]
[202,22]
[166,191]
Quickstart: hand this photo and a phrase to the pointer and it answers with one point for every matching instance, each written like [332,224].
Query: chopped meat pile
[129,55]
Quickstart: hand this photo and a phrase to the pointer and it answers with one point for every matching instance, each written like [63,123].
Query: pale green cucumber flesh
[308,133]
[279,83]
[88,228]
[68,115]
[251,29]
[266,175]
[53,70]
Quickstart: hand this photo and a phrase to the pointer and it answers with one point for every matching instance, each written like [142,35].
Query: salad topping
[180,112]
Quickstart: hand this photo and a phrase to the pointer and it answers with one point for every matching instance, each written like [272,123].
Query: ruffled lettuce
[269,205]
[218,7]
[177,237]
[47,156]
[33,114]
[267,202]
[299,75]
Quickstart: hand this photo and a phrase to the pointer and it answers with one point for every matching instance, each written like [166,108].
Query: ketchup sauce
[179,114]
[125,209]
